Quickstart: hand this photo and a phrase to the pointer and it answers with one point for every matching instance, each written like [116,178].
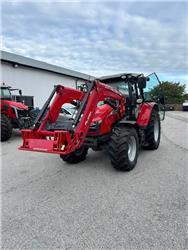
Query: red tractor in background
[117,114]
[16,111]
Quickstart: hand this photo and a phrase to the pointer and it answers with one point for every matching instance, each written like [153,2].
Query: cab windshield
[121,86]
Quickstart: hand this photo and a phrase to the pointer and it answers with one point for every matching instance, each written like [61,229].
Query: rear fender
[145,112]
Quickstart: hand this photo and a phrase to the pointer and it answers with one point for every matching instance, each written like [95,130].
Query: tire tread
[118,148]
[6,128]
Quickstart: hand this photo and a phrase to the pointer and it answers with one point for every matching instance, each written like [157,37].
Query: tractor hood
[17,105]
[101,112]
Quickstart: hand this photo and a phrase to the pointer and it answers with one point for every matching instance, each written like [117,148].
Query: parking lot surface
[48,204]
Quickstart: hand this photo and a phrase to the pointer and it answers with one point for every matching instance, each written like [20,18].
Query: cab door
[154,93]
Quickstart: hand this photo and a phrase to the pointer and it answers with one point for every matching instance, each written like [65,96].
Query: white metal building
[34,77]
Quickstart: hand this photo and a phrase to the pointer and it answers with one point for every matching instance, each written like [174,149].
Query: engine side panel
[105,116]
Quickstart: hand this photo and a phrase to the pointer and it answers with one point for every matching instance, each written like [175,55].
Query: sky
[101,37]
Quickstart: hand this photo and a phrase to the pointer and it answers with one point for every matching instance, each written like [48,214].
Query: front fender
[144,114]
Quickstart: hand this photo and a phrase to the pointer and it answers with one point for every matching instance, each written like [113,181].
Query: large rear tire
[76,156]
[123,148]
[6,128]
[153,131]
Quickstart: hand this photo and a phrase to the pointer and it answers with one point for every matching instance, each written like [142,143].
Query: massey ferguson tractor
[113,112]
[16,111]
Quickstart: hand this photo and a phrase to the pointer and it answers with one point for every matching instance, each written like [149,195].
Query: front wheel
[123,148]
[75,157]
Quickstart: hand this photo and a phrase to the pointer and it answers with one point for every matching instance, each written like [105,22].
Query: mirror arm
[142,93]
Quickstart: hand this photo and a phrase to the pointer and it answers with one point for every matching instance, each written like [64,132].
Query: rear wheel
[6,128]
[123,148]
[153,131]
[76,156]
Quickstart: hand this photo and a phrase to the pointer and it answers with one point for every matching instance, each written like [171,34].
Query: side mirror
[142,82]
[20,92]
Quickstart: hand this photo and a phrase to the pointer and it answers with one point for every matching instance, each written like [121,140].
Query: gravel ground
[47,204]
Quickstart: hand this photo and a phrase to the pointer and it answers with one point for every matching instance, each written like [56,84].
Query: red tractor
[16,111]
[116,114]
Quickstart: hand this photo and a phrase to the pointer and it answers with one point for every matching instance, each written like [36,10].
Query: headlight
[96,123]
[95,126]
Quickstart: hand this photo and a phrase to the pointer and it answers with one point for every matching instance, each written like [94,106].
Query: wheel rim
[156,130]
[132,148]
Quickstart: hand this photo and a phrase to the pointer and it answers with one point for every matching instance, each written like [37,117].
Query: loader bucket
[57,142]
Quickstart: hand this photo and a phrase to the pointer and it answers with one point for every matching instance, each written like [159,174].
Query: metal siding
[34,82]
[22,60]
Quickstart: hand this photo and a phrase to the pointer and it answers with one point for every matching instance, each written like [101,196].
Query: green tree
[173,92]
[185,97]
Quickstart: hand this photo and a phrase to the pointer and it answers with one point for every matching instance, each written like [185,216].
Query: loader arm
[67,140]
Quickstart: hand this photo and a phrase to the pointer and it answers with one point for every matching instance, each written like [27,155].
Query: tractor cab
[137,89]
[5,93]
